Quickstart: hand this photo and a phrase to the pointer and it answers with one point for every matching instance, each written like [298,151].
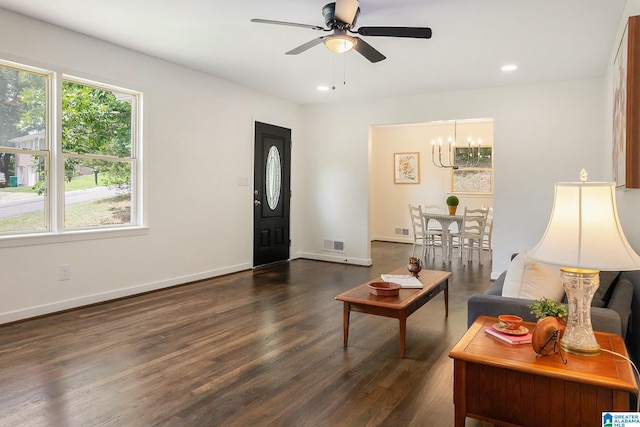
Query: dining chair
[433,229]
[471,233]
[488,233]
[421,235]
[434,209]
[415,212]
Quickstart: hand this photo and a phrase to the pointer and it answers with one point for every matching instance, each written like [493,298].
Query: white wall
[389,202]
[543,133]
[201,220]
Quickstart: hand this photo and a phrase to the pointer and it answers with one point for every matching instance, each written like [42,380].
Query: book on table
[404,280]
[511,339]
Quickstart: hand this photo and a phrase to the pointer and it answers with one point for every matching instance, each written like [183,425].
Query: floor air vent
[401,231]
[334,245]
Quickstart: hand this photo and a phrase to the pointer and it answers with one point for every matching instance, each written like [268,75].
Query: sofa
[618,311]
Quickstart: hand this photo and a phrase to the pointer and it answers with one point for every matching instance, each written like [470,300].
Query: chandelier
[471,152]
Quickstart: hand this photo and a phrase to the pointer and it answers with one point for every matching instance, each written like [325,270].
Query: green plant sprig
[545,307]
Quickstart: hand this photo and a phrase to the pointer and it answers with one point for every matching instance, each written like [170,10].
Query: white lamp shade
[584,230]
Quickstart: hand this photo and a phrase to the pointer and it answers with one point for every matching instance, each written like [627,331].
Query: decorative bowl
[541,341]
[384,289]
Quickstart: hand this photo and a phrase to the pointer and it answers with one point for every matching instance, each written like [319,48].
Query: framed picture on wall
[626,108]
[406,168]
[619,110]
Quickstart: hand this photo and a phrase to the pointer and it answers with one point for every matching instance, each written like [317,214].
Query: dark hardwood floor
[254,348]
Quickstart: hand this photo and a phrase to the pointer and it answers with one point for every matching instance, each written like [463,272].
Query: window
[83,177]
[475,173]
[97,148]
[24,152]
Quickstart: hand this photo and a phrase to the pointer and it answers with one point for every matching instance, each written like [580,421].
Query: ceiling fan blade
[346,10]
[307,45]
[368,51]
[411,32]
[289,24]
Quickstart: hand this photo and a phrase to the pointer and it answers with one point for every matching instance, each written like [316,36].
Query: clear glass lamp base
[580,285]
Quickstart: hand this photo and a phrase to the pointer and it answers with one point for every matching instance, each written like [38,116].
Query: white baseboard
[41,310]
[334,258]
[392,239]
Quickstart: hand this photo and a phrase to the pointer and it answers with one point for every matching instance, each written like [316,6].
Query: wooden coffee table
[399,307]
[507,385]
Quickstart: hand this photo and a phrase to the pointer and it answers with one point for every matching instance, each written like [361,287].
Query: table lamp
[584,236]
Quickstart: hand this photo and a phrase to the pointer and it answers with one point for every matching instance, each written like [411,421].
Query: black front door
[272,175]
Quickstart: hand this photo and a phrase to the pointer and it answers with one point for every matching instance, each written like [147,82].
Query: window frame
[54,230]
[462,168]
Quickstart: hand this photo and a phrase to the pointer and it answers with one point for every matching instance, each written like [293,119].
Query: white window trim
[71,236]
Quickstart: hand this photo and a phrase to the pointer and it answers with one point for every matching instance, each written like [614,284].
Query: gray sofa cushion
[603,294]
[620,302]
[496,286]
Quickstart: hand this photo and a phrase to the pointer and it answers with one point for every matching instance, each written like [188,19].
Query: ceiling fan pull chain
[344,70]
[333,78]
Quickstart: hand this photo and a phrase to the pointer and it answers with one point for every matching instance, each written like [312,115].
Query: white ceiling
[548,39]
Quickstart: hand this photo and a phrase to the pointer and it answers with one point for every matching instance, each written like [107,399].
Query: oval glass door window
[273,177]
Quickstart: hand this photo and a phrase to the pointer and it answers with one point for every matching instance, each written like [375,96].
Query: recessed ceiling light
[509,67]
[323,88]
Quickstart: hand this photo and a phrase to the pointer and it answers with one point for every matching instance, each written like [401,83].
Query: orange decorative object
[542,333]
[384,289]
[510,321]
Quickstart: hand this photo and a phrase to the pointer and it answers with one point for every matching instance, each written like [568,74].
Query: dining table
[445,221]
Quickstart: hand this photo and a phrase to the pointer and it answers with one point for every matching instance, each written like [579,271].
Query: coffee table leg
[403,332]
[345,322]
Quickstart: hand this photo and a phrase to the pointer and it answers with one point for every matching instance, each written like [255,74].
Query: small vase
[452,210]
[414,266]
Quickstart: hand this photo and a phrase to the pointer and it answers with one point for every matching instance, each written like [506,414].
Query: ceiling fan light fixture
[340,44]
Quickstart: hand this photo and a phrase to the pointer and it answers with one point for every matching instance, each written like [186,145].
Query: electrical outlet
[64,272]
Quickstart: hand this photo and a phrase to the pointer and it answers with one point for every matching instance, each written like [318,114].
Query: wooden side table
[507,385]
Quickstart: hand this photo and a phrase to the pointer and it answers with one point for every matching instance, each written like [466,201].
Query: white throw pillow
[529,279]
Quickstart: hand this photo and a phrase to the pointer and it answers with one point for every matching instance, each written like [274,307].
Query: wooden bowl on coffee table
[384,289]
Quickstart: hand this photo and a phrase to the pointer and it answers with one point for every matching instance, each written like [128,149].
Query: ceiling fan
[340,18]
